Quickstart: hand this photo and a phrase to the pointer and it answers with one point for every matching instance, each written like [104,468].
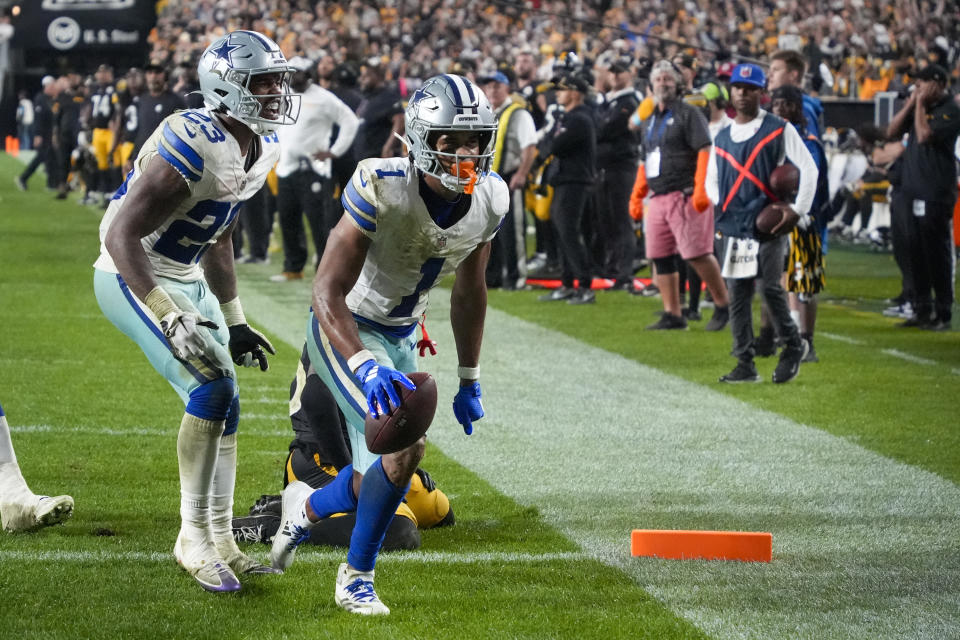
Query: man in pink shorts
[675,148]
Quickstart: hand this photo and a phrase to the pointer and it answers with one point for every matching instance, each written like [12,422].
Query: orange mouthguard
[465,170]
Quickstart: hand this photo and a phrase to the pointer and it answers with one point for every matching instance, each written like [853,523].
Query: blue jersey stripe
[179,166]
[332,367]
[360,220]
[156,330]
[358,201]
[401,331]
[180,146]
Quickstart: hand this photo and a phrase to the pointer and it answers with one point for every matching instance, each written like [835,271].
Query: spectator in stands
[573,143]
[305,177]
[741,160]
[922,206]
[674,146]
[514,150]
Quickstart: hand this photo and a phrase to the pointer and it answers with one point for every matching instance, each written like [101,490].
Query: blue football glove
[377,384]
[467,406]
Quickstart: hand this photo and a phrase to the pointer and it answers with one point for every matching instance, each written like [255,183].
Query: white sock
[221,497]
[197,448]
[13,487]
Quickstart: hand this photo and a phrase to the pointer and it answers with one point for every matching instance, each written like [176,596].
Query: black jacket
[616,144]
[574,147]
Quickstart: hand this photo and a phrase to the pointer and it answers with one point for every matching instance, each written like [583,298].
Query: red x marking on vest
[744,170]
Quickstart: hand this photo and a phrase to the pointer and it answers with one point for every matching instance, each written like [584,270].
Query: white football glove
[182,330]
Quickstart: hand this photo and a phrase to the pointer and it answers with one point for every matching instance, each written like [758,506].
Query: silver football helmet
[225,72]
[443,104]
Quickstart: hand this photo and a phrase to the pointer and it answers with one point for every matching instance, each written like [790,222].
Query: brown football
[392,432]
[774,220]
[785,181]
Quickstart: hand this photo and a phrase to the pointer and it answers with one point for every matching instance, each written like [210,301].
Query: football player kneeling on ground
[319,450]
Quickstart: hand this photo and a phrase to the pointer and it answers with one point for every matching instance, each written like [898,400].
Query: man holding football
[165,277]
[407,223]
[743,156]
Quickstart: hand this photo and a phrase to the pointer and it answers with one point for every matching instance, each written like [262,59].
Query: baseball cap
[725,70]
[788,93]
[496,76]
[47,81]
[750,74]
[571,81]
[932,72]
[153,65]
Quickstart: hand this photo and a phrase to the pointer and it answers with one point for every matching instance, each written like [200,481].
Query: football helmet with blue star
[444,104]
[228,73]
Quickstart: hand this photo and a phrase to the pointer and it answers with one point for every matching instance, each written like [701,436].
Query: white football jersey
[196,144]
[410,253]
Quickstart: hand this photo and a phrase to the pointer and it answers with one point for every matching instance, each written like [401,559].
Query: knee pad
[233,417]
[212,401]
[666,265]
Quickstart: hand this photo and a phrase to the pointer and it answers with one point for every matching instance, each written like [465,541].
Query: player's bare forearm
[150,201]
[339,269]
[468,306]
[218,267]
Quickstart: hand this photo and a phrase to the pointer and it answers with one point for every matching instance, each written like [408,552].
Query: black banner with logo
[77,26]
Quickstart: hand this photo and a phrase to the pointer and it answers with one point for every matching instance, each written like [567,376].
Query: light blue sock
[336,497]
[379,499]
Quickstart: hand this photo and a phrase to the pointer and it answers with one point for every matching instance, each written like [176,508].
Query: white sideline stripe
[838,337]
[863,546]
[135,431]
[909,357]
[305,556]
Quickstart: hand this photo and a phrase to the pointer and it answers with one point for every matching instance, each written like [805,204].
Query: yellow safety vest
[502,135]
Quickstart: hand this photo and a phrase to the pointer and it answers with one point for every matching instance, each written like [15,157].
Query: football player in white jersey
[407,223]
[165,277]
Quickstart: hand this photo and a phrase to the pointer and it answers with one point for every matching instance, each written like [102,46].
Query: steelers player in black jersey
[100,108]
[320,448]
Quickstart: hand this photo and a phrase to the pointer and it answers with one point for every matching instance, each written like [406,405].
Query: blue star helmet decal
[224,50]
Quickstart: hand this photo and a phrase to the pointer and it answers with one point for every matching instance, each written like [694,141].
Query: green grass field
[594,428]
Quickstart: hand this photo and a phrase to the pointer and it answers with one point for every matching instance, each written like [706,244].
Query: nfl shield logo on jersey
[441,242]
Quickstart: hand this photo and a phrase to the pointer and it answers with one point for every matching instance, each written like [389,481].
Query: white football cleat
[201,560]
[290,534]
[355,592]
[240,562]
[35,512]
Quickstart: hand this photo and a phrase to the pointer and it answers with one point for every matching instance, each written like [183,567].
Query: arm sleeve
[359,200]
[797,153]
[712,181]
[525,129]
[348,122]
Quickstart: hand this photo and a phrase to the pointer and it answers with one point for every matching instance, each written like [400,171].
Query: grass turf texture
[90,417]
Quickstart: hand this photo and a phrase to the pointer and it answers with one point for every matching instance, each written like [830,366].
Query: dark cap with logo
[932,72]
